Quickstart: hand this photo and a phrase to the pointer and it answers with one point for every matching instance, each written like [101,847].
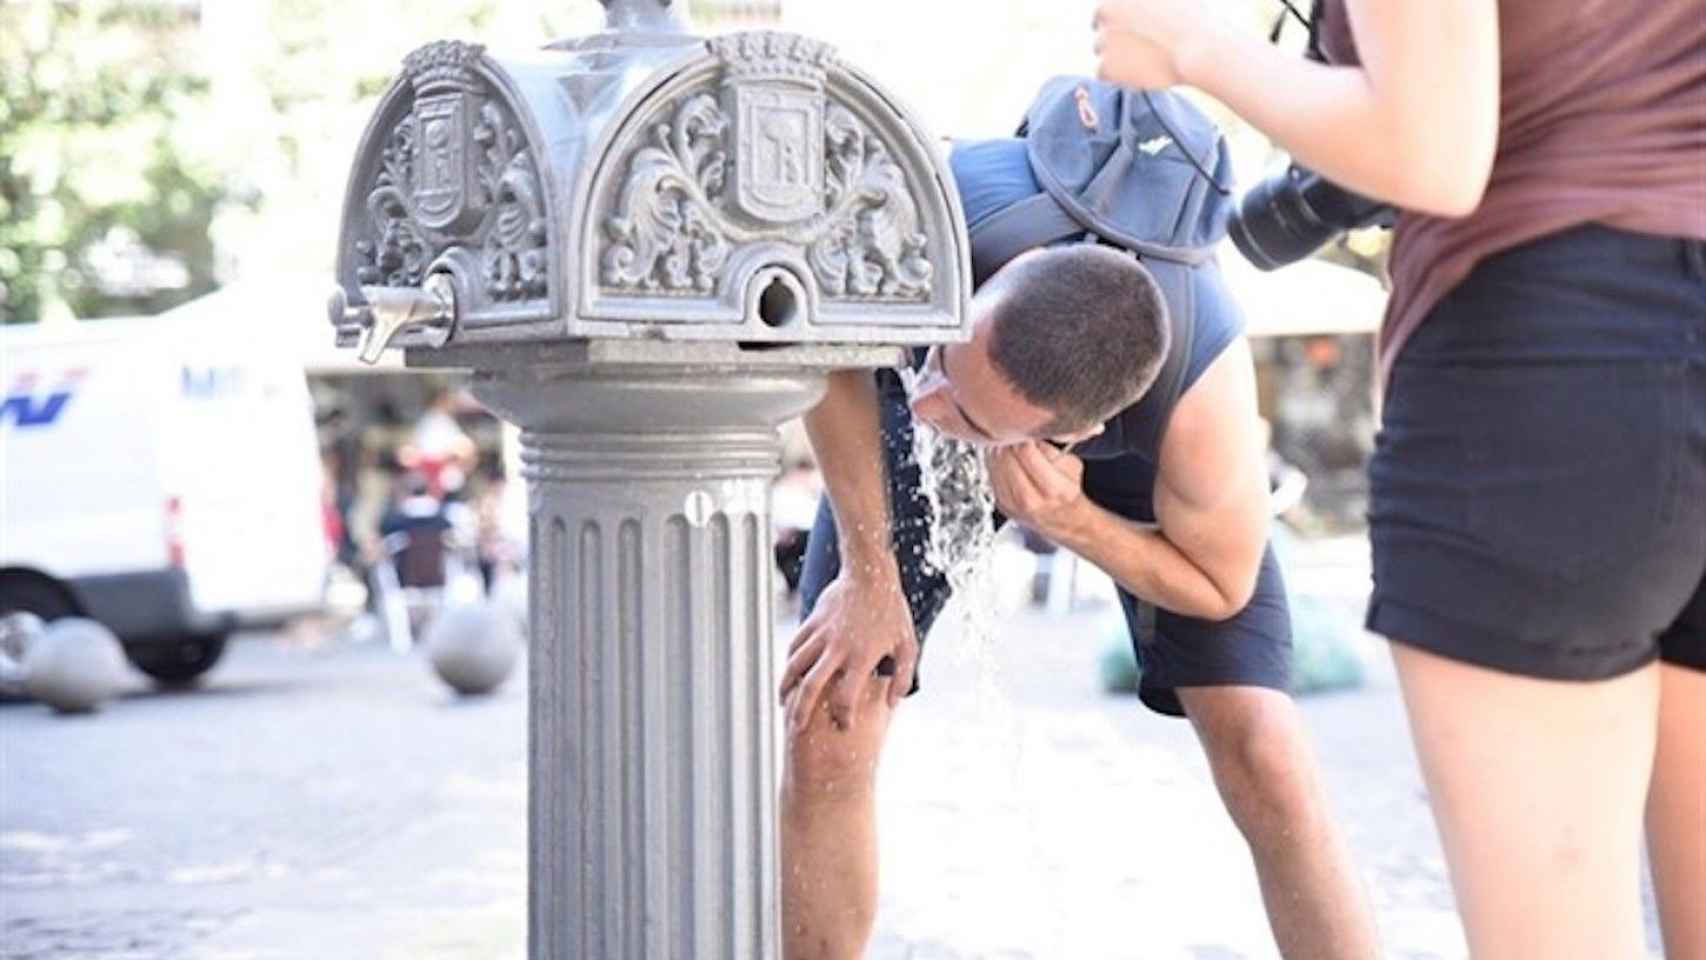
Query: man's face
[961,393]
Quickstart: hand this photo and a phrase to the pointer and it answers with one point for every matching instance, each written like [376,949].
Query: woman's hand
[1138,41]
[1415,124]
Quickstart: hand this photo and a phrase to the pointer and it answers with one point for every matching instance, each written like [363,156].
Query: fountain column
[649,249]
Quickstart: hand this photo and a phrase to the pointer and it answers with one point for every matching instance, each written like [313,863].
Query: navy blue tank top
[994,174]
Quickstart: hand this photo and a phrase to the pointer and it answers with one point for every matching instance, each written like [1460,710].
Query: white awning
[1308,298]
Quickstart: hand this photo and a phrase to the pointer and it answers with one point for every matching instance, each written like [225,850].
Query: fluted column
[652,743]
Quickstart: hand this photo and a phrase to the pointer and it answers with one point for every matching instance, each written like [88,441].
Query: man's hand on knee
[833,659]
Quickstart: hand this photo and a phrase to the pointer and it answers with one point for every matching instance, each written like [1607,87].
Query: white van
[160,475]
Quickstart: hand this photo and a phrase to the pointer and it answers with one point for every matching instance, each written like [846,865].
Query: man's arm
[846,437]
[862,616]
[1211,501]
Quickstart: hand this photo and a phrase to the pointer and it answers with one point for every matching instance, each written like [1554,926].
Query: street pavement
[331,800]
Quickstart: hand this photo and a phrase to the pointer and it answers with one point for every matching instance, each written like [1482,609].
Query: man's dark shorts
[1539,486]
[1252,648]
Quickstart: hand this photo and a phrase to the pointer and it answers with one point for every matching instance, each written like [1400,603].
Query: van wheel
[34,593]
[177,663]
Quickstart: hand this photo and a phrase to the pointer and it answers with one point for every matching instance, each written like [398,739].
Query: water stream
[954,476]
[989,759]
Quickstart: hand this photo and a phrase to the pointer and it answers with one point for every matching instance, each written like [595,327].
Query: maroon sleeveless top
[1602,119]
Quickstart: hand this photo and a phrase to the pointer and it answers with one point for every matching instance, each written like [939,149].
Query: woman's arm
[1416,124]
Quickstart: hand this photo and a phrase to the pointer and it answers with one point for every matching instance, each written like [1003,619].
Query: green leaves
[151,148]
[102,213]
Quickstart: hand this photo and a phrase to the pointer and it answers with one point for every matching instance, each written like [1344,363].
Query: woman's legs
[1539,789]
[1676,812]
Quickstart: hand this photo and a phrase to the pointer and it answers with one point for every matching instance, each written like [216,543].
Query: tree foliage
[150,149]
[101,208]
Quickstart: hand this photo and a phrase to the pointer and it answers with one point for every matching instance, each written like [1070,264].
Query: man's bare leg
[1267,778]
[1539,789]
[1676,812]
[829,834]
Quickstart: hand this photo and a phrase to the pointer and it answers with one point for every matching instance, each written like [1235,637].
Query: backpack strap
[1040,220]
[1033,222]
[1156,407]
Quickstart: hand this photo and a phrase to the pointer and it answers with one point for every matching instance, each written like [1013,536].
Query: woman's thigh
[1539,788]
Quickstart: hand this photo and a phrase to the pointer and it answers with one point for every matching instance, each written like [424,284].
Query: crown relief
[451,64]
[767,55]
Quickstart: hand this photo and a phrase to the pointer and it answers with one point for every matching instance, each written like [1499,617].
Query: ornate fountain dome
[752,186]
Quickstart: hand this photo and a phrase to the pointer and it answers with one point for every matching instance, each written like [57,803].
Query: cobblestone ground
[332,803]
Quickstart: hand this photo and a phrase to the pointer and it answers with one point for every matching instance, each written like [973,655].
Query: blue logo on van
[207,382]
[31,408]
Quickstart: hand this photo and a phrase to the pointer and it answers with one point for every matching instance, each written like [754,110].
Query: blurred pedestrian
[418,532]
[494,552]
[439,449]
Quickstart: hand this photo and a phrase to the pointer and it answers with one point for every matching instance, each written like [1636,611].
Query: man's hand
[1138,41]
[1039,486]
[857,622]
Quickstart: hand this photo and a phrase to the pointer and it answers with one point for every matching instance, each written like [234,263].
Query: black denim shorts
[1252,648]
[1539,483]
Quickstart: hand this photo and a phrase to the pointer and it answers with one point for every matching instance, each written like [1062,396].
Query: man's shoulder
[1215,416]
[1226,376]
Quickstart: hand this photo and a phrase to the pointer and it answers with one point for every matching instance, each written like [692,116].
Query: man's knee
[826,764]
[1262,764]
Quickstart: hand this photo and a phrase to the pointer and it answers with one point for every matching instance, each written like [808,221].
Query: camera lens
[1275,224]
[1290,216]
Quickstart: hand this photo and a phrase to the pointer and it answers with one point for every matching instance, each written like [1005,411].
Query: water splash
[954,476]
[990,752]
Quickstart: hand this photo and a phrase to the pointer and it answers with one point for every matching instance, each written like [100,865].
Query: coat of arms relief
[456,171]
[767,157]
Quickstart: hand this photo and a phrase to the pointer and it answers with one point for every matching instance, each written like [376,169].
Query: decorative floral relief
[873,246]
[513,259]
[400,255]
[667,235]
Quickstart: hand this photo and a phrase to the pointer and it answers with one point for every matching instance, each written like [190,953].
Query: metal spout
[389,311]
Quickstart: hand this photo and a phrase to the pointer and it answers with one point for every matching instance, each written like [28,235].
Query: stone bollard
[473,647]
[19,630]
[650,249]
[74,666]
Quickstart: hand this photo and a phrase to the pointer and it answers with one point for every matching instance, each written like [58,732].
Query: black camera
[1290,216]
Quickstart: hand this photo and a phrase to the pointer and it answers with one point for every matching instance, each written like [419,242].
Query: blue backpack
[1142,171]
